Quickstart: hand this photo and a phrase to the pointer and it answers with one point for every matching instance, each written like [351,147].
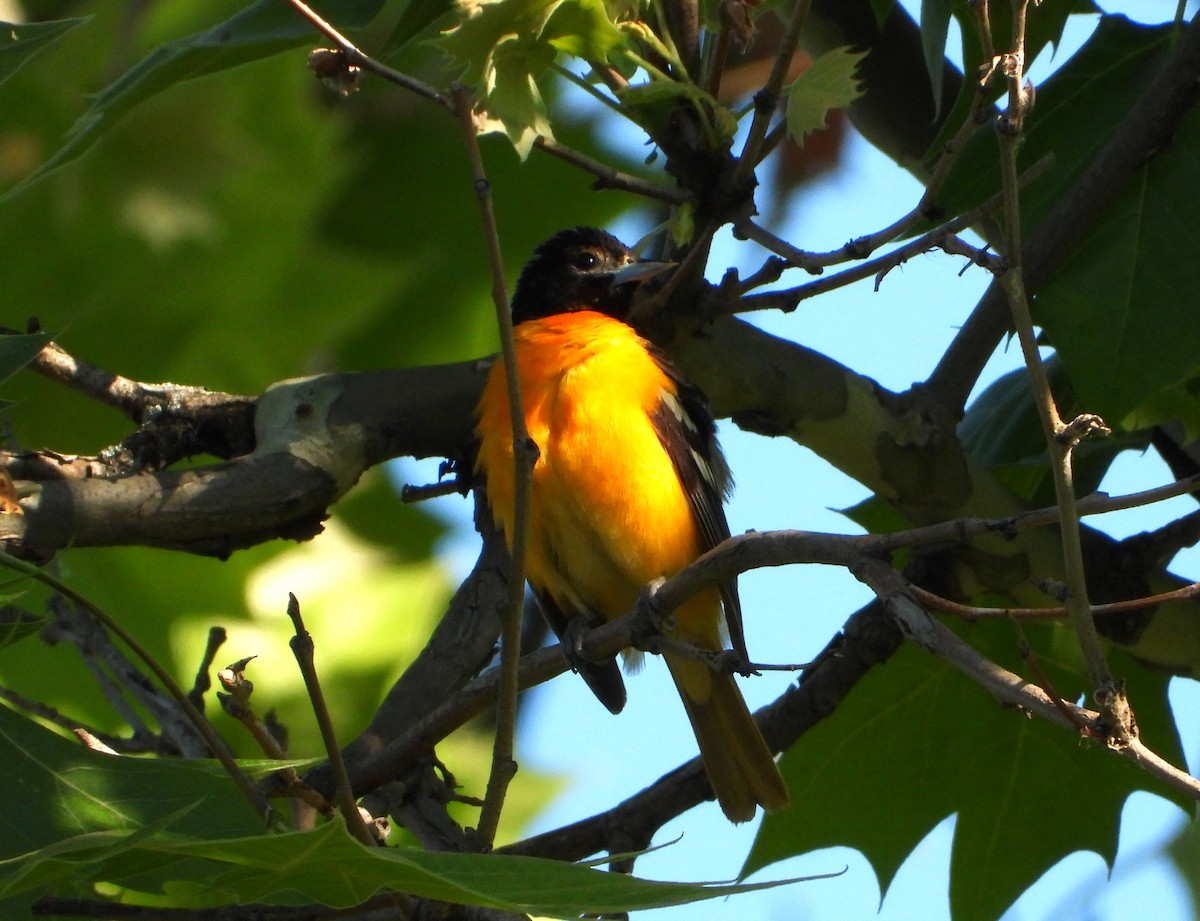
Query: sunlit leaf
[654,98]
[582,28]
[513,105]
[829,82]
[473,42]
[505,46]
[63,789]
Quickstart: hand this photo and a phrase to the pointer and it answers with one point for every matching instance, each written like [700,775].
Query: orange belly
[608,514]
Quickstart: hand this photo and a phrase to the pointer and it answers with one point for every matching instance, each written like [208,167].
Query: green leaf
[474,41]
[1002,430]
[1076,111]
[1173,404]
[881,9]
[418,16]
[19,42]
[1184,852]
[77,816]
[18,351]
[1111,310]
[67,790]
[327,866]
[16,624]
[916,742]
[513,105]
[1042,29]
[263,29]
[830,82]
[506,44]
[1116,311]
[582,28]
[935,25]
[656,98]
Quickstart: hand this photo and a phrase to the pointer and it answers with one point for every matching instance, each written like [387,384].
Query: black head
[580,269]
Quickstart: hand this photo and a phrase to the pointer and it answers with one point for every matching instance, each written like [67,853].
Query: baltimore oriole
[627,488]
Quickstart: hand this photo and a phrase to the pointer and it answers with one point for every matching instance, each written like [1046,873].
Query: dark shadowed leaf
[917,742]
[18,351]
[19,42]
[16,624]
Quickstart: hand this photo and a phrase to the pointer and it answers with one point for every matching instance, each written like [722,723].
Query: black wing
[685,427]
[604,678]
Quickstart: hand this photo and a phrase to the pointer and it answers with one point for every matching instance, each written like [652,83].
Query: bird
[628,487]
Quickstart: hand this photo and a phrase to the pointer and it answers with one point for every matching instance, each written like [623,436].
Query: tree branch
[868,639]
[313,439]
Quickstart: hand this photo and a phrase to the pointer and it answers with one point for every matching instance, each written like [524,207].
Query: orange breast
[607,512]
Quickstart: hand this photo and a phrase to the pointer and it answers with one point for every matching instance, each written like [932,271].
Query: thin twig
[1145,131]
[1029,657]
[592,90]
[608,177]
[971,612]
[1009,133]
[503,766]
[302,647]
[767,99]
[136,745]
[353,57]
[927,631]
[716,55]
[788,298]
[859,554]
[235,701]
[976,117]
[201,684]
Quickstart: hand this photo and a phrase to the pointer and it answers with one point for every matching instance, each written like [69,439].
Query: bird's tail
[740,766]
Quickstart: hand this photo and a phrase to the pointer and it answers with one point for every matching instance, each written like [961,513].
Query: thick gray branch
[313,439]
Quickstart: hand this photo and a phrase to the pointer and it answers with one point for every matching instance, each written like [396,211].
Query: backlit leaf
[830,82]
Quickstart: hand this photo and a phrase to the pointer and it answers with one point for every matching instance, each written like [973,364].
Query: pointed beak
[637,272]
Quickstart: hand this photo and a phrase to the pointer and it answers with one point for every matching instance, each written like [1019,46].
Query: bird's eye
[585,260]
